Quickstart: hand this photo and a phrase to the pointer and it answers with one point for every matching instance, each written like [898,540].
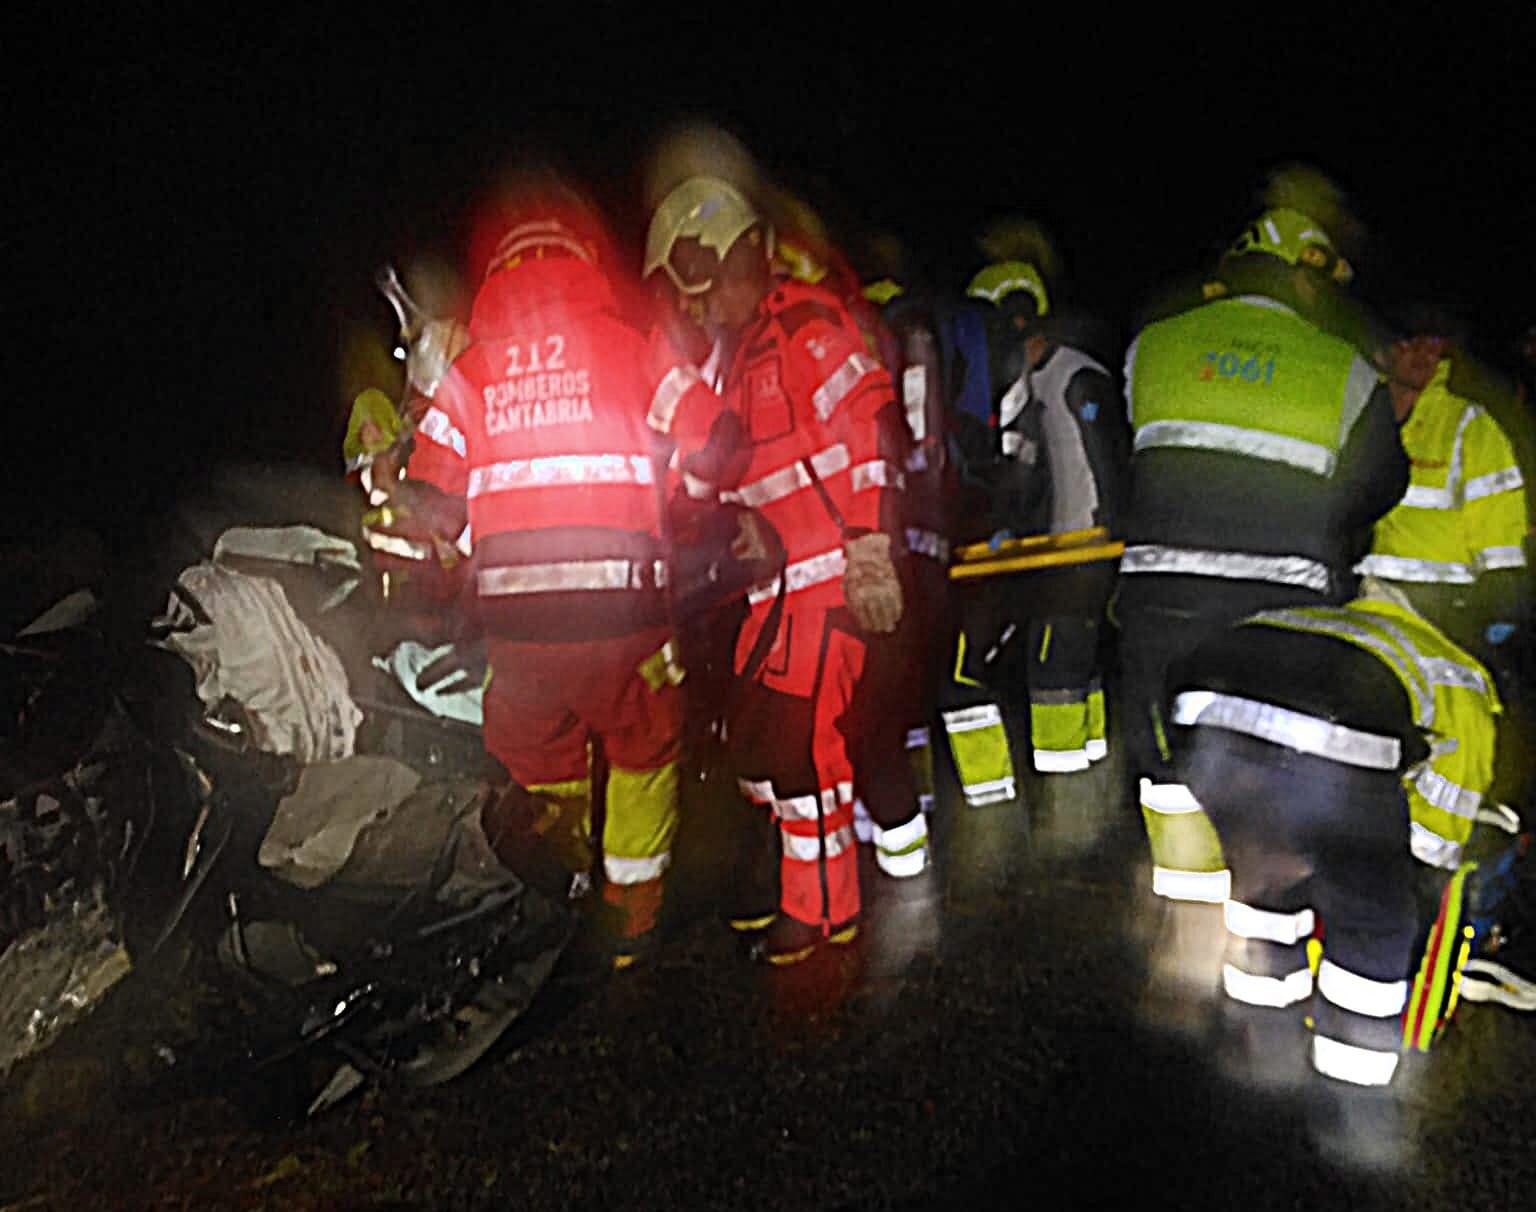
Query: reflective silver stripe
[903,837]
[917,460]
[394,545]
[1442,672]
[1359,994]
[1424,572]
[992,792]
[968,719]
[1234,439]
[697,489]
[635,870]
[1445,795]
[568,575]
[777,485]
[1349,1063]
[1209,887]
[877,473]
[1432,849]
[993,293]
[808,849]
[1230,565]
[917,737]
[436,425]
[757,792]
[466,540]
[1061,761]
[927,543]
[1491,558]
[1358,390]
[1293,729]
[1407,663]
[1422,496]
[836,387]
[1494,482]
[797,808]
[1096,750]
[1169,799]
[1058,698]
[669,392]
[803,574]
[1288,929]
[560,469]
[1274,991]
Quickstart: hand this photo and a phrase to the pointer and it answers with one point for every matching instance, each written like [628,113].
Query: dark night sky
[198,210]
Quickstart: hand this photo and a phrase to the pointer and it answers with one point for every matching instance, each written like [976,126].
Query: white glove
[870,584]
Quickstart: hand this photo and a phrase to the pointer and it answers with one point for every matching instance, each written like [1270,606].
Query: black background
[199,203]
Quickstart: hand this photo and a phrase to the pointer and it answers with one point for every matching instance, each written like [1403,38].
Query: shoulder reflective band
[1229,565]
[1288,929]
[436,426]
[1234,439]
[1293,729]
[808,849]
[1276,992]
[777,485]
[1427,572]
[1377,639]
[1442,672]
[928,543]
[561,470]
[1347,1063]
[1494,482]
[569,576]
[803,574]
[1441,793]
[1431,849]
[669,392]
[1490,559]
[837,386]
[1359,994]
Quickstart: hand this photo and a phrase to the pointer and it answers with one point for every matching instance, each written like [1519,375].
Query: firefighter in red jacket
[797,436]
[537,437]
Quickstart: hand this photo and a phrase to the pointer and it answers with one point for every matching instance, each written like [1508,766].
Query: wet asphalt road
[1025,1025]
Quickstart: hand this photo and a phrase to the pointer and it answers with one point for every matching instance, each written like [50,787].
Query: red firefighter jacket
[539,432]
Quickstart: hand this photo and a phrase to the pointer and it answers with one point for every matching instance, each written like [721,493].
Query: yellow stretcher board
[1034,552]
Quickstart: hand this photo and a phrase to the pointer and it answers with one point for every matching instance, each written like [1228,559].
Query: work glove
[870,584]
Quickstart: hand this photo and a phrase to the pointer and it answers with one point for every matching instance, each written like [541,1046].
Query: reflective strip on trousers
[803,574]
[917,737]
[1058,729]
[1168,798]
[979,742]
[1234,439]
[436,426]
[1210,887]
[760,792]
[1293,729]
[808,849]
[669,393]
[1420,572]
[555,470]
[569,576]
[1229,565]
[836,387]
[777,485]
[635,870]
[812,807]
[1348,1063]
[1274,991]
[903,851]
[1287,929]
[877,473]
[1359,994]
